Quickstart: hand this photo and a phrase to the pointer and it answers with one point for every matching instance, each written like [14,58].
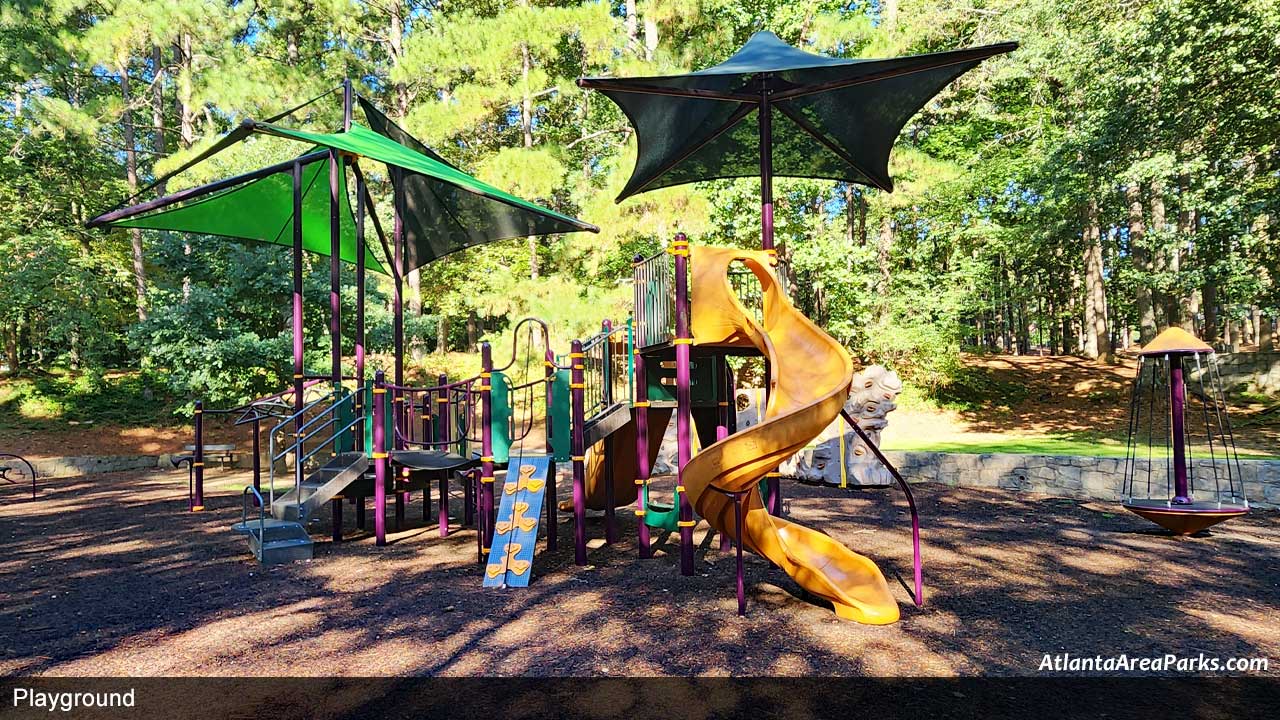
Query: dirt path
[109,576]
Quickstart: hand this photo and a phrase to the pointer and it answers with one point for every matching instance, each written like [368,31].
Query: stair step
[279,542]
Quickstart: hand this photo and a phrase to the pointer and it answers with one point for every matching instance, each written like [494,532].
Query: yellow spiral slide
[808,386]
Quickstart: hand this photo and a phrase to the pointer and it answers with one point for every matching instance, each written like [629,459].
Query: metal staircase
[324,427]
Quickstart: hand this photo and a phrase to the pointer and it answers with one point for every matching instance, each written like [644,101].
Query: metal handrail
[262,515]
[326,419]
[30,468]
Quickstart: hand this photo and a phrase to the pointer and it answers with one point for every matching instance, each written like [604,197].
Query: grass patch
[1091,447]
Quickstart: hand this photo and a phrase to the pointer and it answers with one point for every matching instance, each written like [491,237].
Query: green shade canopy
[832,118]
[262,210]
[444,209]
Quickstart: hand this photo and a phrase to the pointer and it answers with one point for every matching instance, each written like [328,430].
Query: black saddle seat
[431,460]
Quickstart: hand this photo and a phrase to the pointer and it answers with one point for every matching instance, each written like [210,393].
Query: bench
[223,454]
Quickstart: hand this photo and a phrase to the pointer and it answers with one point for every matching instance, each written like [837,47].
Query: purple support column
[607,446]
[1177,410]
[298,371]
[196,503]
[684,437]
[443,517]
[397,301]
[487,509]
[360,281]
[737,541]
[379,459]
[577,450]
[722,432]
[642,455]
[335,268]
[553,533]
[360,513]
[337,518]
[766,172]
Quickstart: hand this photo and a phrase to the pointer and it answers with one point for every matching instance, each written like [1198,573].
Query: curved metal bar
[546,339]
[30,469]
[911,503]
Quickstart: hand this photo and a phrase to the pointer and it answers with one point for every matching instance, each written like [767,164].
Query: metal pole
[578,453]
[397,241]
[360,286]
[553,533]
[766,172]
[684,438]
[1177,410]
[196,503]
[257,457]
[379,459]
[298,371]
[607,447]
[335,268]
[488,512]
[642,456]
[346,104]
[722,432]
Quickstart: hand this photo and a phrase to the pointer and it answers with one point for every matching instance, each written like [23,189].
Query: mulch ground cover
[109,575]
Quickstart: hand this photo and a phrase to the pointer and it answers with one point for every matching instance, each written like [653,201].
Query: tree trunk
[131,175]
[1097,341]
[442,334]
[1209,305]
[650,37]
[186,122]
[1267,335]
[1188,304]
[884,247]
[1141,256]
[526,130]
[473,331]
[632,26]
[1166,256]
[11,348]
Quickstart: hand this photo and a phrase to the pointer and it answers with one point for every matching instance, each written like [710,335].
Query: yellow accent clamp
[379,391]
[686,523]
[682,341]
[486,458]
[197,464]
[679,488]
[484,388]
[578,458]
[577,386]
[486,375]
[379,456]
[773,475]
[640,513]
[486,478]
[197,508]
[640,404]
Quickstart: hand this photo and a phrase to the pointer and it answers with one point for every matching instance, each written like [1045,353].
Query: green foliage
[979,247]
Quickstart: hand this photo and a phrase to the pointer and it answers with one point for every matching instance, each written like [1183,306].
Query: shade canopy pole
[397,242]
[335,266]
[766,172]
[297,297]
[360,280]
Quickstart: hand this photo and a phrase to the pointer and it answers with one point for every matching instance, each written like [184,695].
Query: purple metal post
[553,540]
[379,459]
[196,503]
[335,268]
[722,432]
[577,450]
[298,372]
[337,518]
[360,513]
[607,446]
[766,171]
[360,280]
[397,300]
[737,541]
[487,510]
[684,405]
[642,456]
[1177,410]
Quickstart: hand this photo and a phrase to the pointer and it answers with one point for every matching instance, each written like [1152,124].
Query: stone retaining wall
[73,466]
[1256,372]
[1069,476]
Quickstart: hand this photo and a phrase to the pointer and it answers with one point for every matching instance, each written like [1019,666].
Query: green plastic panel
[500,417]
[662,387]
[559,430]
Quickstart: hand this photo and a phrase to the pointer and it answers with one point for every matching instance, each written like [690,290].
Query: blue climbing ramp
[515,535]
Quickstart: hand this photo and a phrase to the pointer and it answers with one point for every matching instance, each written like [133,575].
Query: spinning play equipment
[1181,469]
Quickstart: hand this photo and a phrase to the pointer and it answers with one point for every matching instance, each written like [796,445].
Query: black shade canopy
[822,117]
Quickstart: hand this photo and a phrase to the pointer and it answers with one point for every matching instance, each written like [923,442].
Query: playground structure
[694,308]
[1176,374]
